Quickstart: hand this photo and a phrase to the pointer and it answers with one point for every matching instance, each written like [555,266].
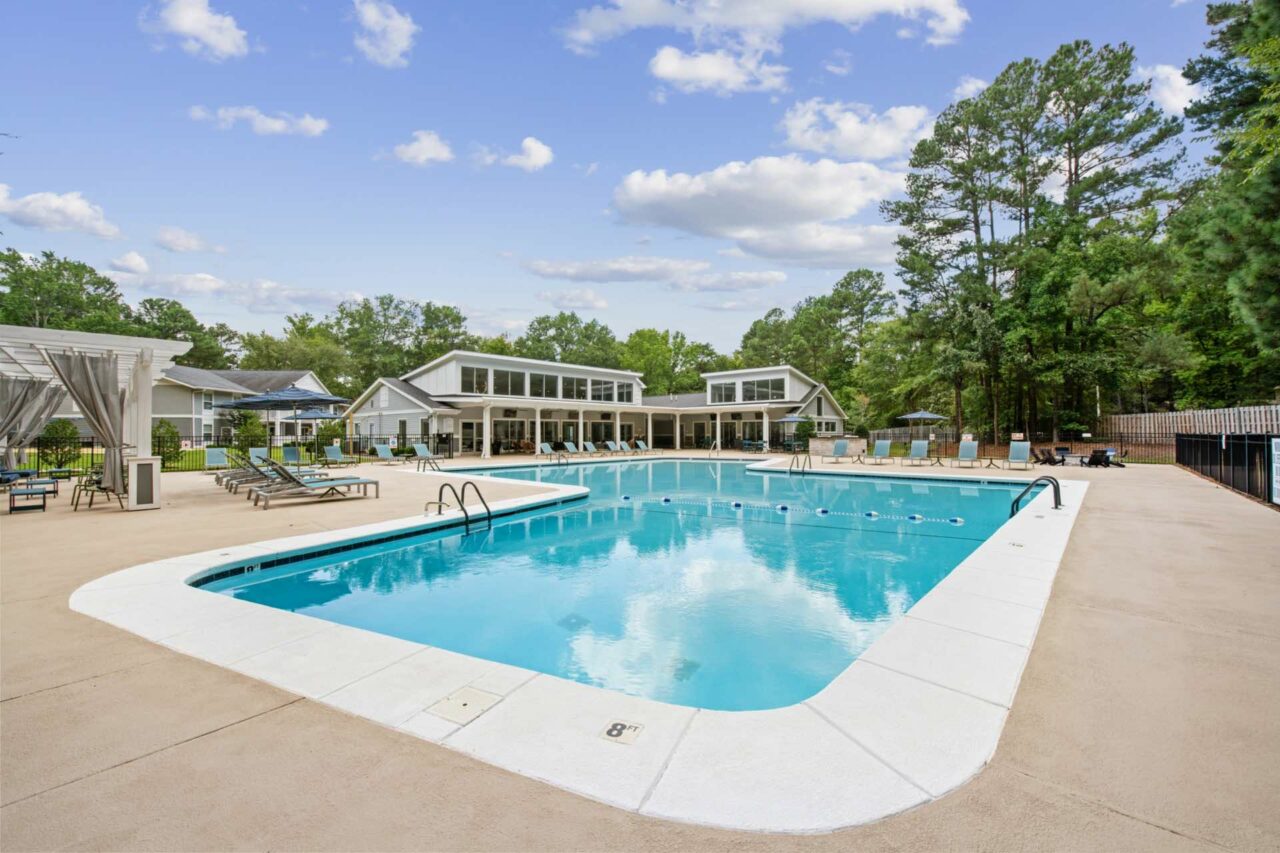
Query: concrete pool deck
[1145,716]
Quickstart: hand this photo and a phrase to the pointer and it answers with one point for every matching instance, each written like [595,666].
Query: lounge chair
[1019,454]
[880,453]
[571,449]
[292,455]
[291,486]
[263,475]
[259,454]
[590,448]
[1113,458]
[1047,457]
[641,447]
[544,449]
[334,458]
[1099,458]
[613,447]
[385,454]
[426,459]
[919,452]
[839,450]
[968,453]
[628,449]
[215,458]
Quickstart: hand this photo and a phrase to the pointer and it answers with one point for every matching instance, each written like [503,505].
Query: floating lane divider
[873,515]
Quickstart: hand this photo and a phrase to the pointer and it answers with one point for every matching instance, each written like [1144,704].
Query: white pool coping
[918,714]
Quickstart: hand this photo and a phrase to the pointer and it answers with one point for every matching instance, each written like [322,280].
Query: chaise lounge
[290,486]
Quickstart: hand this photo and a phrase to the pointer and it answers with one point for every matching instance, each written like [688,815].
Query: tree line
[1059,256]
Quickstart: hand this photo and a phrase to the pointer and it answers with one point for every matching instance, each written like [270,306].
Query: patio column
[716,439]
[581,437]
[142,380]
[537,428]
[648,428]
[765,437]
[617,425]
[677,432]
[486,433]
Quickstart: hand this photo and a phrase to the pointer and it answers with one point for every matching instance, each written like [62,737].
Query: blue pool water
[659,586]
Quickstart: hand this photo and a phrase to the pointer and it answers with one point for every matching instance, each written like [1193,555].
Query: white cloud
[202,31]
[590,169]
[854,130]
[534,155]
[1169,89]
[180,240]
[719,72]
[575,299]
[386,34]
[256,294]
[426,147]
[130,262]
[281,123]
[677,273]
[840,63]
[784,208]
[969,86]
[57,212]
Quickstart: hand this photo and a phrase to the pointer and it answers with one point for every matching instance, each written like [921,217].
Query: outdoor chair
[919,452]
[385,455]
[91,485]
[590,448]
[1048,457]
[1098,458]
[626,448]
[571,449]
[215,458]
[1113,458]
[644,448]
[1019,454]
[292,455]
[881,452]
[839,450]
[334,457]
[426,459]
[544,449]
[968,453]
[291,486]
[613,447]
[259,454]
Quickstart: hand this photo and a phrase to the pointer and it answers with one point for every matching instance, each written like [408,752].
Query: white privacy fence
[1239,420]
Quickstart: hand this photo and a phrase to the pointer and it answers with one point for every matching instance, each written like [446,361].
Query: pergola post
[486,433]
[581,437]
[537,429]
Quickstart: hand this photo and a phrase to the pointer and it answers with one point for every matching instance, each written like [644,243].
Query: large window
[475,380]
[602,389]
[509,383]
[723,392]
[572,388]
[763,389]
[625,392]
[543,385]
[207,399]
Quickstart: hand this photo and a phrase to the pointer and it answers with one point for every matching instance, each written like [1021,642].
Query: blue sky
[645,163]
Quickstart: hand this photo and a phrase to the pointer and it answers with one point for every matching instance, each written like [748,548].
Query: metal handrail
[488,513]
[1057,493]
[805,461]
[715,448]
[439,504]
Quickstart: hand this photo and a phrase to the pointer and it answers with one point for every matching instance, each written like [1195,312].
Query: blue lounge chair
[290,486]
[839,450]
[919,453]
[968,453]
[1019,454]
[426,459]
[571,449]
[590,448]
[259,454]
[613,447]
[880,453]
[215,458]
[544,449]
[626,448]
[644,448]
[292,455]
[385,454]
[334,458]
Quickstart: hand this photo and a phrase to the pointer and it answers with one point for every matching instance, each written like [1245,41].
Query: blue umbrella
[284,399]
[922,416]
[313,415]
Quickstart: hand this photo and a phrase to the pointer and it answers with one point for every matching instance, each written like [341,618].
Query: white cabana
[57,362]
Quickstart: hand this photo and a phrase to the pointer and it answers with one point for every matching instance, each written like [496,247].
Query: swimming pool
[694,583]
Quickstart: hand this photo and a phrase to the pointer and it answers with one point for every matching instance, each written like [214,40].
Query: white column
[765,412]
[617,426]
[142,380]
[716,439]
[677,430]
[648,428]
[486,434]
[581,436]
[537,426]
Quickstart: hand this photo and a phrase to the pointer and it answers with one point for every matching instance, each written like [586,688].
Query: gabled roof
[517,361]
[413,392]
[262,381]
[815,391]
[797,371]
[203,380]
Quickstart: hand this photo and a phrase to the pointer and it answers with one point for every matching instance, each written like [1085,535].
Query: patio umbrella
[292,399]
[922,415]
[314,415]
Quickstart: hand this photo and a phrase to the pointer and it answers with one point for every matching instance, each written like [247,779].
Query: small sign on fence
[1017,436]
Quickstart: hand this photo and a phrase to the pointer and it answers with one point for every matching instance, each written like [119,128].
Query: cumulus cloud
[677,273]
[57,212]
[1169,89]
[969,86]
[534,155]
[130,262]
[784,208]
[180,240]
[854,130]
[426,147]
[259,294]
[720,72]
[385,35]
[201,31]
[575,299]
[262,124]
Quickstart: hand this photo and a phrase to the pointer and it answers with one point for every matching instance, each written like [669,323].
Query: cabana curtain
[92,381]
[26,405]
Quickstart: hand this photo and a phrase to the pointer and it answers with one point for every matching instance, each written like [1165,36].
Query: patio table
[992,461]
[29,504]
[41,483]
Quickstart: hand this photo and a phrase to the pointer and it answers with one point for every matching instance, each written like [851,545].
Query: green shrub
[166,443]
[59,443]
[804,431]
[251,433]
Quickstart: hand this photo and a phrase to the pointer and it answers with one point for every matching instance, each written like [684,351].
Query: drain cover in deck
[464,705]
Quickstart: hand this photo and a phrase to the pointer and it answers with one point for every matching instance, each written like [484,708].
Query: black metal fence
[187,453]
[1244,463]
[1155,448]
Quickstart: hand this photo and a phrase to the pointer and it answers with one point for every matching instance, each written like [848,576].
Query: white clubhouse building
[503,404]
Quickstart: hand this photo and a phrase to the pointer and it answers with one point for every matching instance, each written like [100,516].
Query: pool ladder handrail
[714,449]
[805,461]
[439,504]
[1057,493]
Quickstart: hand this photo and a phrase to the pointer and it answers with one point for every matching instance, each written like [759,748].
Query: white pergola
[140,361]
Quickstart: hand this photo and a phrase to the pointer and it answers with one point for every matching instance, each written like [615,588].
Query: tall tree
[212,347]
[564,337]
[59,293]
